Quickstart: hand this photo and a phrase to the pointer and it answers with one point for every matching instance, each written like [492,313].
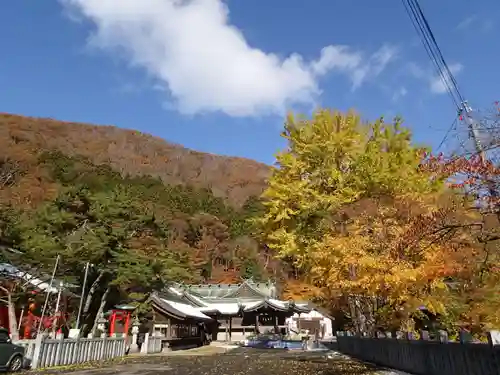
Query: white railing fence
[152,344]
[46,352]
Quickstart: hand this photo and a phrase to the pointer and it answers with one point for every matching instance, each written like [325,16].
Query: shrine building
[231,312]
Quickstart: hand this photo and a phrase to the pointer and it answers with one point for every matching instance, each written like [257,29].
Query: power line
[447,69]
[452,126]
[434,53]
[424,31]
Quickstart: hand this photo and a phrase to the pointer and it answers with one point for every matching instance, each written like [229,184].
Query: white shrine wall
[325,321]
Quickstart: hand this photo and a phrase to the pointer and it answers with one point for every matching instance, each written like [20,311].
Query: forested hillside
[356,215]
[55,176]
[130,153]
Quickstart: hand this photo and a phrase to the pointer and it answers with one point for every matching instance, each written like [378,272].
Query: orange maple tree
[476,179]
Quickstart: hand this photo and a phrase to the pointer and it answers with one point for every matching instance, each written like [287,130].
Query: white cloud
[467,22]
[475,23]
[416,70]
[438,83]
[435,82]
[206,64]
[399,93]
[376,64]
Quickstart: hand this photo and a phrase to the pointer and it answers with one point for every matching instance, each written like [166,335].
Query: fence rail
[421,357]
[45,352]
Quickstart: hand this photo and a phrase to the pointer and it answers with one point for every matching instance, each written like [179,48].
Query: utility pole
[48,291]
[83,295]
[57,314]
[473,129]
[474,134]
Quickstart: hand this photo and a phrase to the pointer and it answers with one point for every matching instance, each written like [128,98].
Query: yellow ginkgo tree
[349,204]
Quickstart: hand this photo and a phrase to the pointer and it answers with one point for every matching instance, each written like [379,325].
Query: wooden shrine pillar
[276,329]
[112,323]
[169,329]
[227,329]
[127,323]
[256,323]
[230,328]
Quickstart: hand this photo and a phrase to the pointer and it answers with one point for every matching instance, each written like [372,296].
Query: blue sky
[217,77]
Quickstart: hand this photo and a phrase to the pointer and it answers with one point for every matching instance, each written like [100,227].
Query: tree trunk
[360,316]
[14,333]
[101,309]
[92,290]
[371,309]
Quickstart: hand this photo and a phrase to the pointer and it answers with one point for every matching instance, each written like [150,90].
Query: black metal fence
[422,357]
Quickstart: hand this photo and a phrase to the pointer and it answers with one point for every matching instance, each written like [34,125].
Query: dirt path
[236,362]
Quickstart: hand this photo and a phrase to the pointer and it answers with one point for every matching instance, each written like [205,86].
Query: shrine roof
[11,271]
[222,308]
[277,305]
[124,307]
[184,302]
[178,310]
[247,289]
[229,299]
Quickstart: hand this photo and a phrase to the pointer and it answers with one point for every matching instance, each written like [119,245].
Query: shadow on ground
[236,362]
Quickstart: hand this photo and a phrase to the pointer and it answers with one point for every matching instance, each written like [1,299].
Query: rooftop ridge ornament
[248,280]
[271,282]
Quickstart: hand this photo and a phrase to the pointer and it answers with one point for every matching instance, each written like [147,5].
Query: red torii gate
[120,313]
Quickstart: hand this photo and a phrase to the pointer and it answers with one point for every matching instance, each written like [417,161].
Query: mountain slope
[203,201]
[135,154]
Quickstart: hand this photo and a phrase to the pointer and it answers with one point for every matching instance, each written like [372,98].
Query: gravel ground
[235,362]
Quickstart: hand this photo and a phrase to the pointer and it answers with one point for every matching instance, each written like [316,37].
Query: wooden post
[256,323]
[464,337]
[424,335]
[227,328]
[443,336]
[169,329]
[230,328]
[145,344]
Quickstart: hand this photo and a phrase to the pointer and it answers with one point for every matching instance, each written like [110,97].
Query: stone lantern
[101,324]
[135,330]
[135,326]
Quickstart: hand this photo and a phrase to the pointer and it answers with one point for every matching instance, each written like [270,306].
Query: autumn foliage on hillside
[377,228]
[354,216]
[132,154]
[195,192]
[144,212]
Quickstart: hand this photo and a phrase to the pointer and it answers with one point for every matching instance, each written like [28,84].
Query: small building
[226,312]
[317,322]
[180,323]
